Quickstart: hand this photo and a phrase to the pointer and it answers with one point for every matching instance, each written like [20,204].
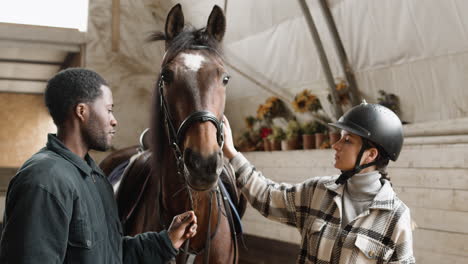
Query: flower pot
[275,145]
[284,144]
[308,141]
[319,138]
[334,137]
[290,144]
[266,144]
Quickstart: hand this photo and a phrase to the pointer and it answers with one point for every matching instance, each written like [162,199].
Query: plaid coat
[381,234]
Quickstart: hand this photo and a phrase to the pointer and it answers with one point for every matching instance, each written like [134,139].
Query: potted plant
[273,108]
[308,136]
[343,93]
[275,138]
[305,101]
[293,132]
[244,142]
[265,132]
[257,140]
[320,134]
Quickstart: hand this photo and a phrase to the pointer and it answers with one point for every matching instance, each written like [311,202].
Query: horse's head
[191,93]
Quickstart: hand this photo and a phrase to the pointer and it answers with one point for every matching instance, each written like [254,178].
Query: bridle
[176,138]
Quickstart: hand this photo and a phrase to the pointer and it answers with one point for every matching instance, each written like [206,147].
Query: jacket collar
[86,165]
[385,198]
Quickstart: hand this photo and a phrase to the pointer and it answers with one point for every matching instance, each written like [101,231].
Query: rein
[175,140]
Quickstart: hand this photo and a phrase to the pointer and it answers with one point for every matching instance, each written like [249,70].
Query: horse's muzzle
[203,172]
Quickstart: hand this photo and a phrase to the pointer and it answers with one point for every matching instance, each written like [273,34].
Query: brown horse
[187,163]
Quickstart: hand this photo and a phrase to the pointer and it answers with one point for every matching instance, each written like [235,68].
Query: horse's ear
[174,22]
[216,26]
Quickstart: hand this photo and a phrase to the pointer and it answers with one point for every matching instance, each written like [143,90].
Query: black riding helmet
[375,124]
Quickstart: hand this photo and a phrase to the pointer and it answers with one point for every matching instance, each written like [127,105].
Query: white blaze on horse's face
[192,62]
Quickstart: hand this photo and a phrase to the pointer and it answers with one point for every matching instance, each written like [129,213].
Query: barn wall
[25,123]
[431,179]
[131,70]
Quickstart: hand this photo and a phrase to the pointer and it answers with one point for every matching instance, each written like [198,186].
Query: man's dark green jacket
[61,209]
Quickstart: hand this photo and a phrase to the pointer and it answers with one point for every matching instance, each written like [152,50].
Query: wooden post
[337,111]
[225,8]
[115,25]
[354,94]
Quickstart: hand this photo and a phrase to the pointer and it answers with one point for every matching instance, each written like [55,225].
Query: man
[60,207]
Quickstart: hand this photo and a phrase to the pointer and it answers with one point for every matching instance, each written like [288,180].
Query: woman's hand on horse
[183,227]
[228,149]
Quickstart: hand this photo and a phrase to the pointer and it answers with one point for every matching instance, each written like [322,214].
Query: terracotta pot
[266,144]
[319,138]
[290,144]
[334,137]
[308,141]
[275,145]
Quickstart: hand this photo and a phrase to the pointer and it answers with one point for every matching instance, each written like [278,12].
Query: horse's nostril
[191,159]
[203,166]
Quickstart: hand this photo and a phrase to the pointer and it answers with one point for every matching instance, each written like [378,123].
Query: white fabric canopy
[417,49]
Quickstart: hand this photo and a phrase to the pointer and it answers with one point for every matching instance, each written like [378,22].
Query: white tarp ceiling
[417,49]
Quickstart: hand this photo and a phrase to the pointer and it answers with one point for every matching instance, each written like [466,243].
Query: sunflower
[305,101]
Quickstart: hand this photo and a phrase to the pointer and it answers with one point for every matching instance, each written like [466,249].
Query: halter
[176,138]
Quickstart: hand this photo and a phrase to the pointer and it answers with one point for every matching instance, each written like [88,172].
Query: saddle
[138,173]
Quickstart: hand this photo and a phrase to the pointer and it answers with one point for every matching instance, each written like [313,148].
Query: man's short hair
[70,87]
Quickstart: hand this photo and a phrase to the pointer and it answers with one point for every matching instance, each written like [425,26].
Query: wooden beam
[22,79]
[355,96]
[30,62]
[115,25]
[337,110]
[38,45]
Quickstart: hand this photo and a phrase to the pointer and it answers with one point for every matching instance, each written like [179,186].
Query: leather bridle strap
[206,257]
[176,139]
[227,207]
[201,116]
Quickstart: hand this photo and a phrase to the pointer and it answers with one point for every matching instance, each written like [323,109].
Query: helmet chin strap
[345,175]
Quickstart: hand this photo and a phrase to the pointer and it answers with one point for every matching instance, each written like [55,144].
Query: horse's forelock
[188,38]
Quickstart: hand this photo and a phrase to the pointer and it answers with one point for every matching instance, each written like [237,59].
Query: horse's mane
[187,39]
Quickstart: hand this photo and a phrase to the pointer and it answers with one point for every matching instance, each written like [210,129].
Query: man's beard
[94,135]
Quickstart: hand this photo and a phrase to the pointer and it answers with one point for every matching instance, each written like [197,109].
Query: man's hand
[228,149]
[183,227]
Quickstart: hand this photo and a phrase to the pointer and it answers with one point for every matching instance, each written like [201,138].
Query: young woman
[353,218]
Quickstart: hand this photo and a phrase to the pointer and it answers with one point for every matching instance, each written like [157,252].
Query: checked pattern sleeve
[280,202]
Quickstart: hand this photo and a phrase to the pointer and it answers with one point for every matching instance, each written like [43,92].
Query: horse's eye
[226,79]
[167,76]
